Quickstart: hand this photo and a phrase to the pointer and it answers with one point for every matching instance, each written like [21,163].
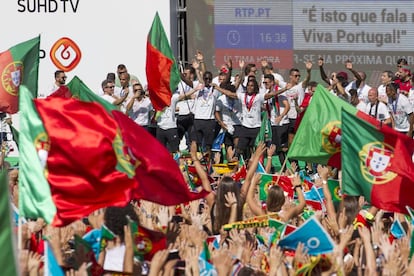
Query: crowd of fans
[199,237]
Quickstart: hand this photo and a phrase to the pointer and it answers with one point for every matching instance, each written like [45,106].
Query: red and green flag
[318,138]
[269,180]
[161,68]
[77,89]
[8,254]
[18,65]
[335,190]
[242,170]
[71,160]
[146,242]
[377,163]
[85,254]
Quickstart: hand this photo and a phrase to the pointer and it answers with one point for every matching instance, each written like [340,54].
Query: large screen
[373,35]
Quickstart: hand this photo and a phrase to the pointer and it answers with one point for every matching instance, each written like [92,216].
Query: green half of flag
[7,240]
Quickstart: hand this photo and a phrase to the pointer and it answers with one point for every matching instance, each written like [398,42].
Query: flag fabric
[377,164]
[147,242]
[281,227]
[8,258]
[268,180]
[160,179]
[52,268]
[318,137]
[85,254]
[218,141]
[312,234]
[260,168]
[315,193]
[335,190]
[242,171]
[72,161]
[93,238]
[397,230]
[106,235]
[265,132]
[19,65]
[161,68]
[77,89]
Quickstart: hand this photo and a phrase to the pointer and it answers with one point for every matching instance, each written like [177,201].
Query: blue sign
[254,36]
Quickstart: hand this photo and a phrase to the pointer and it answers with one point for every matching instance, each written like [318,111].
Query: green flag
[34,200]
[335,190]
[7,239]
[265,133]
[317,139]
[79,90]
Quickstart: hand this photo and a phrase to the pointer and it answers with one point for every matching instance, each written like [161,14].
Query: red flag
[85,168]
[159,177]
[162,71]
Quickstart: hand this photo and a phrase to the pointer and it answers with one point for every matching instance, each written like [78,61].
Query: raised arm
[225,91]
[188,94]
[252,186]
[324,77]
[308,66]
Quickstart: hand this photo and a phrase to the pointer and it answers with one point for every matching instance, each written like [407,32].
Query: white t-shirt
[277,108]
[381,113]
[362,106]
[167,119]
[119,93]
[186,106]
[205,103]
[382,93]
[401,108]
[251,109]
[230,109]
[298,92]
[108,98]
[140,111]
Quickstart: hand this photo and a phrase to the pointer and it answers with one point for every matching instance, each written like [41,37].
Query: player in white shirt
[139,107]
[401,110]
[252,102]
[167,124]
[377,109]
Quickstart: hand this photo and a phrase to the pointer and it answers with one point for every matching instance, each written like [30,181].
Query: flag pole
[281,170]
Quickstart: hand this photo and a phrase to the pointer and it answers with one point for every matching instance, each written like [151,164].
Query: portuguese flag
[377,163]
[18,65]
[268,180]
[162,71]
[318,138]
[72,160]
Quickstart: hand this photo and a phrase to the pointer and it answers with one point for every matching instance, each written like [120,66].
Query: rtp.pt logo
[65,54]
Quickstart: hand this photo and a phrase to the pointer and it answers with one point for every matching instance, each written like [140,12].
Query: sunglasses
[208,78]
[138,90]
[296,76]
[265,82]
[109,87]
